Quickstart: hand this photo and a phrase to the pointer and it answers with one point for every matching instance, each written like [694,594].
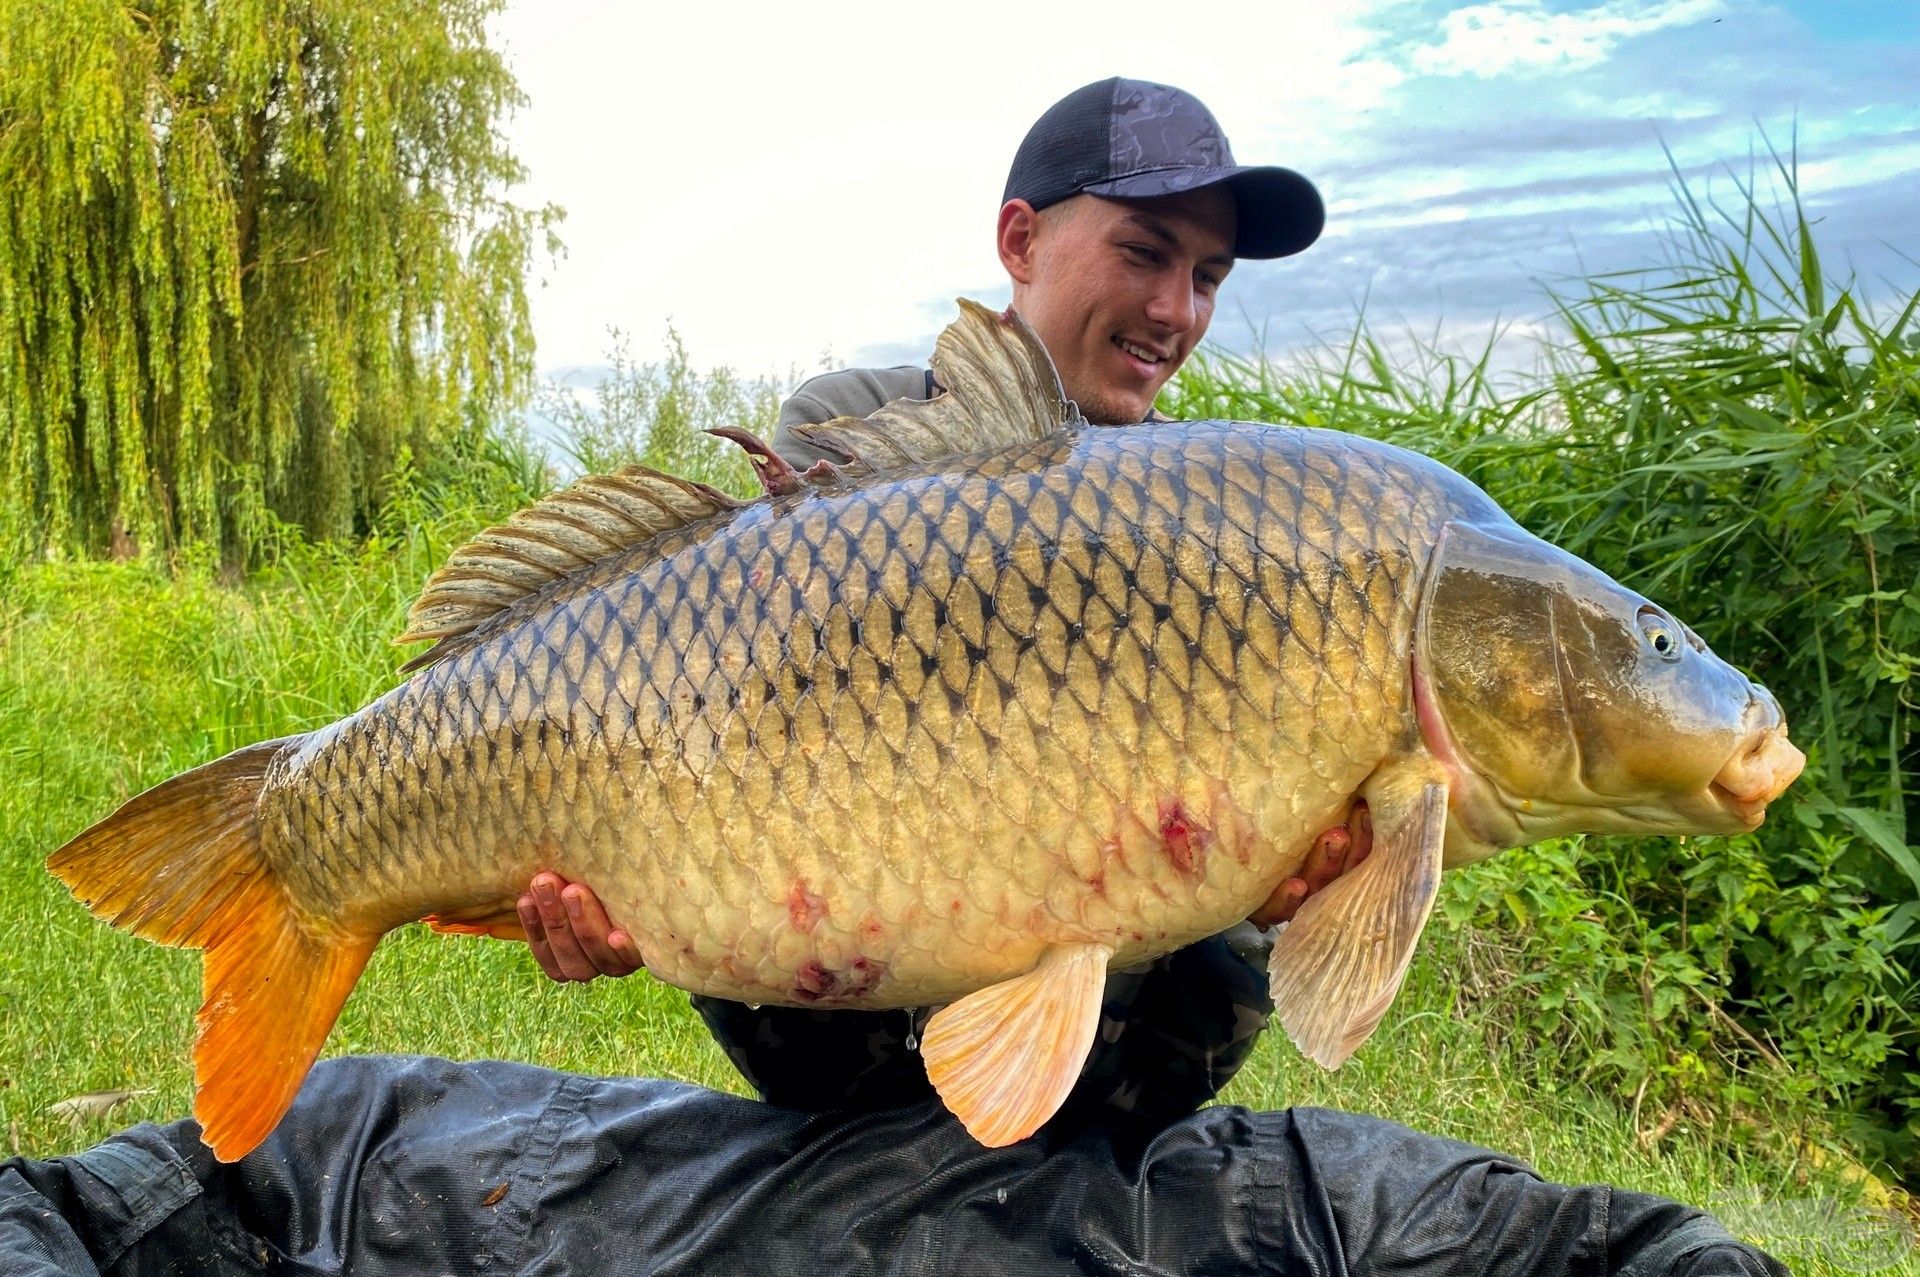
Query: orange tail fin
[181,865]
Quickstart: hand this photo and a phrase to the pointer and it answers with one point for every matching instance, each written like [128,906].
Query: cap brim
[1280,212]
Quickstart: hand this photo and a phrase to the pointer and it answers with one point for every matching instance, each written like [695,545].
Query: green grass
[113,677]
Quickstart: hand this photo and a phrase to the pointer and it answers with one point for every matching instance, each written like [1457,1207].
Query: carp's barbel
[1003,701]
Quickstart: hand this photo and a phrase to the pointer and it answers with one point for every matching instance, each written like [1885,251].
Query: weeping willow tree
[250,250]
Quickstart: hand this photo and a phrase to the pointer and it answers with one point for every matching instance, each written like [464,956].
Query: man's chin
[1114,410]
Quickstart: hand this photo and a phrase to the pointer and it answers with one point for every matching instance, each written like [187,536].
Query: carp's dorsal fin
[555,537]
[1337,966]
[1000,389]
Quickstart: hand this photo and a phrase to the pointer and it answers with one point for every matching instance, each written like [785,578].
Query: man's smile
[1144,359]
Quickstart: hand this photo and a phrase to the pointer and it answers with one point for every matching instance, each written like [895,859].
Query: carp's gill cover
[1000,702]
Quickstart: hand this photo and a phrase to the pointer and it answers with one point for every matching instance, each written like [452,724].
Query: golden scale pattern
[878,745]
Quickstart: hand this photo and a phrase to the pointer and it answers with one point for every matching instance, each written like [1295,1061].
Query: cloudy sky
[793,186]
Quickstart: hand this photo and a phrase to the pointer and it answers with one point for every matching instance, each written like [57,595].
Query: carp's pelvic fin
[1004,1058]
[498,919]
[1000,389]
[181,865]
[1337,966]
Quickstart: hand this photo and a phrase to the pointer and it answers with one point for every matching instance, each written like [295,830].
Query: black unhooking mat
[402,1165]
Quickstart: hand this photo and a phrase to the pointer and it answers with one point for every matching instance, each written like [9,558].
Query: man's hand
[570,934]
[1334,852]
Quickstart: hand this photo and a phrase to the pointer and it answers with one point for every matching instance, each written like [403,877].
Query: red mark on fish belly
[804,909]
[813,981]
[863,974]
[1109,853]
[1184,841]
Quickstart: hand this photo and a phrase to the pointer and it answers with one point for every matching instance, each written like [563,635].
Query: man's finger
[1328,855]
[1283,903]
[537,937]
[593,929]
[1361,843]
[1293,894]
[568,959]
[629,951]
[1325,853]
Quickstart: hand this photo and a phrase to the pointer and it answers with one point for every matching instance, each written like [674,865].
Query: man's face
[1120,291]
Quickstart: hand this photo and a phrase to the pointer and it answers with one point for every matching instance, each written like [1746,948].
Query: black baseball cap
[1135,139]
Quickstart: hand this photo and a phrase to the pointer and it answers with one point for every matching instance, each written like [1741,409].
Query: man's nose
[1174,304]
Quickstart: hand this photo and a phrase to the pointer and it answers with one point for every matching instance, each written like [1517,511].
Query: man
[1123,214]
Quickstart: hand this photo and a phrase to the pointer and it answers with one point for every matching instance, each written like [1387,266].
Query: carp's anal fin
[1004,1058]
[999,388]
[550,540]
[1337,966]
[181,864]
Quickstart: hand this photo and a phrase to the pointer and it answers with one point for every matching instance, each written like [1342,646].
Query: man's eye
[1141,253]
[1208,283]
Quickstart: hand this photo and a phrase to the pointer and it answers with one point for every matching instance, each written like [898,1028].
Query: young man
[398,1165]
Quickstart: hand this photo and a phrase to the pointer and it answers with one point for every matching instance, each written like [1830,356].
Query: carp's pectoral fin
[499,920]
[1004,1058]
[1337,966]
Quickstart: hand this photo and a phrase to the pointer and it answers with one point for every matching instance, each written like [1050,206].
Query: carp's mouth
[1760,770]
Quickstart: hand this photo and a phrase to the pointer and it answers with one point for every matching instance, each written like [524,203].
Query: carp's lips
[1759,772]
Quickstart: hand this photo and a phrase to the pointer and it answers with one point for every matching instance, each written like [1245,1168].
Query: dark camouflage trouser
[390,1166]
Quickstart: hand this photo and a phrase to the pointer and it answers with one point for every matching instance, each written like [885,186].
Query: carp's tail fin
[182,865]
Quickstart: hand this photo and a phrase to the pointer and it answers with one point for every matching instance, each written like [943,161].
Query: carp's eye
[1662,635]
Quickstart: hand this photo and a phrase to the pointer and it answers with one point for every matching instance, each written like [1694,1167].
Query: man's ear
[1018,233]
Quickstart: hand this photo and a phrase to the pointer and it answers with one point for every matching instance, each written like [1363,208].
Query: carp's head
[1561,702]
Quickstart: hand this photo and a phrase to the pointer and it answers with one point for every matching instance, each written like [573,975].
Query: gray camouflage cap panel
[1135,139]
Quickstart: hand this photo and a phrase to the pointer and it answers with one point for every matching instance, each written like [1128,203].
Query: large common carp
[1002,702]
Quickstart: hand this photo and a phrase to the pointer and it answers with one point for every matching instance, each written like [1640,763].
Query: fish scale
[947,692]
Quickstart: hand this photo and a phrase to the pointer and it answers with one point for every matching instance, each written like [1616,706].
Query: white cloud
[1515,35]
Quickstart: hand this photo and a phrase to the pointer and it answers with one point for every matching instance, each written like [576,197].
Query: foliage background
[250,252]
